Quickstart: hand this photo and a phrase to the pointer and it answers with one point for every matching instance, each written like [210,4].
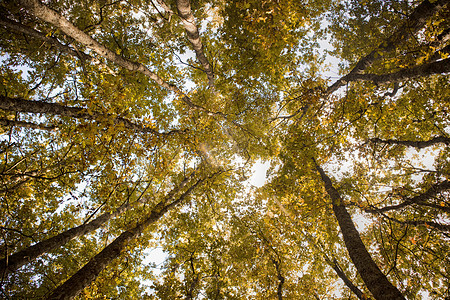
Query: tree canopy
[128,126]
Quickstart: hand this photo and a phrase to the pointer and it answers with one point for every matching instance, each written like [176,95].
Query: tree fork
[377,283]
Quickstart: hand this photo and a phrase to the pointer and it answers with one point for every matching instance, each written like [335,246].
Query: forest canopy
[128,126]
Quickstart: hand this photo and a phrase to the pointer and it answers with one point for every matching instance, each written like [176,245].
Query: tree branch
[411,26]
[436,67]
[415,144]
[49,15]
[337,268]
[41,107]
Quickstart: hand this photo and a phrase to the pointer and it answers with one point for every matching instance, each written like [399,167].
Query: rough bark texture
[184,11]
[415,144]
[41,107]
[87,274]
[413,24]
[49,15]
[375,280]
[347,281]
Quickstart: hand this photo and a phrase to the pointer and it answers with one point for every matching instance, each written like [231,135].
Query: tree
[130,125]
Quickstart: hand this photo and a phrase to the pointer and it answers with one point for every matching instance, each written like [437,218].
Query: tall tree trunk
[184,11]
[49,15]
[41,107]
[17,260]
[87,274]
[13,262]
[416,20]
[375,280]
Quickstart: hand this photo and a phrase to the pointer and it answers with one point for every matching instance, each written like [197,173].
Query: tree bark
[41,107]
[415,144]
[413,24]
[280,278]
[184,11]
[375,280]
[87,274]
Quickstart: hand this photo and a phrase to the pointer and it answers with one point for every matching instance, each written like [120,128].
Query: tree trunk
[413,24]
[375,280]
[280,277]
[17,260]
[41,107]
[49,15]
[13,262]
[87,274]
[184,11]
